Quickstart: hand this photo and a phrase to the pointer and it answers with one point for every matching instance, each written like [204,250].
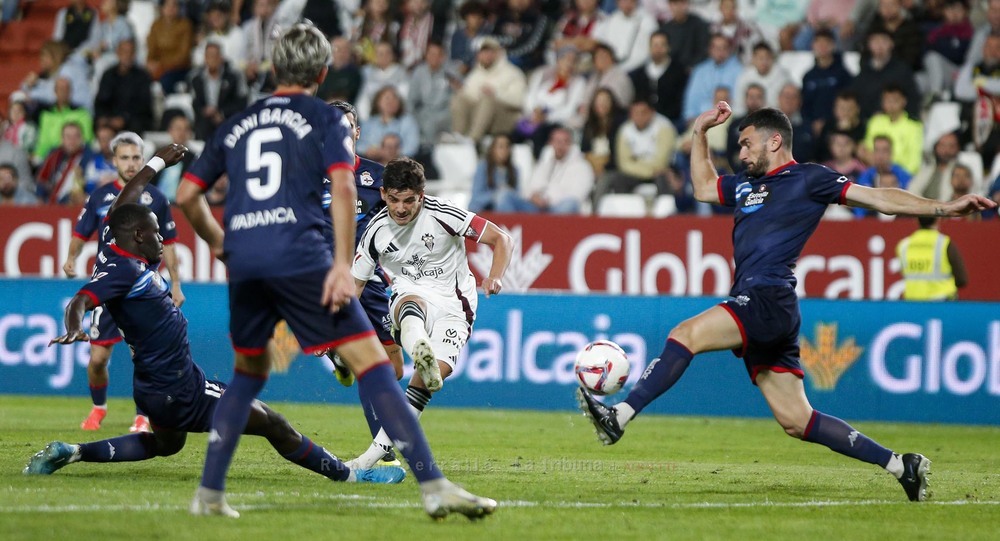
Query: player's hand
[713,117]
[70,337]
[338,287]
[177,294]
[491,286]
[967,204]
[172,153]
[69,267]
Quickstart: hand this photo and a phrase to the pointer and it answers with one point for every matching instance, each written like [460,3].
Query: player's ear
[322,75]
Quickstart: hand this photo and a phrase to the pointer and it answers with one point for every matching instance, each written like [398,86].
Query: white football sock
[895,466]
[411,330]
[623,413]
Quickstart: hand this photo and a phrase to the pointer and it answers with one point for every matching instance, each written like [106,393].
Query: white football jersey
[425,257]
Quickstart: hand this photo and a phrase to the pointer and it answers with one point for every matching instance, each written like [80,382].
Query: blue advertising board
[864,360]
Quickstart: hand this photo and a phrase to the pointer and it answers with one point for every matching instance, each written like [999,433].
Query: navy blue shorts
[103,329]
[769,321]
[375,301]
[187,409]
[256,306]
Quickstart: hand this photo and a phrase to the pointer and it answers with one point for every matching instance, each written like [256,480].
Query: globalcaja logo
[526,265]
[825,359]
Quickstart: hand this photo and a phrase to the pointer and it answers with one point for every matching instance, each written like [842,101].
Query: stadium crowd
[563,103]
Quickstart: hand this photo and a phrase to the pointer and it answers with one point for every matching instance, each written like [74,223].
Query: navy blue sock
[229,421]
[99,395]
[380,393]
[660,375]
[138,410]
[314,457]
[141,446]
[839,436]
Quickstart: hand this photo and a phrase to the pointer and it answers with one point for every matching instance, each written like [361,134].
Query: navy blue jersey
[95,213]
[368,181]
[775,216]
[276,154]
[139,301]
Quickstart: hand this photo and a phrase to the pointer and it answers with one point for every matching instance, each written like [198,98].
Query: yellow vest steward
[924,258]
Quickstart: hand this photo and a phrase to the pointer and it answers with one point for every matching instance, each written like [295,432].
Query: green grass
[669,478]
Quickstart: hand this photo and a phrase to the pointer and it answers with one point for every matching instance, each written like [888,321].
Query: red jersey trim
[718,188]
[81,237]
[93,297]
[195,179]
[106,343]
[169,241]
[779,168]
[372,367]
[118,250]
[309,350]
[809,426]
[119,185]
[843,193]
[341,165]
[757,369]
[743,332]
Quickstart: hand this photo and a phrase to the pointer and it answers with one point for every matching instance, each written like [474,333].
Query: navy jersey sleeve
[109,281]
[88,221]
[826,185]
[206,170]
[726,184]
[165,219]
[338,145]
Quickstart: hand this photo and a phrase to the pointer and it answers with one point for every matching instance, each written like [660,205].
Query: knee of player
[169,446]
[683,334]
[793,429]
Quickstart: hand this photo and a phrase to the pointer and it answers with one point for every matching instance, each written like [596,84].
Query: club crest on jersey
[366,179]
[428,240]
[146,199]
[751,200]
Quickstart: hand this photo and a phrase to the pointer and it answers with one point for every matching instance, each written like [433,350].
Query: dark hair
[492,166]
[926,221]
[346,107]
[847,94]
[472,7]
[71,124]
[10,167]
[596,125]
[376,110]
[881,137]
[602,46]
[127,218]
[893,88]
[403,174]
[825,33]
[121,6]
[763,45]
[660,33]
[771,120]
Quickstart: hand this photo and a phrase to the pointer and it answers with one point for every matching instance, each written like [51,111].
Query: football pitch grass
[669,478]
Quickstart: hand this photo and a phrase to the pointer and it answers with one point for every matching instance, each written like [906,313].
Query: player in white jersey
[420,242]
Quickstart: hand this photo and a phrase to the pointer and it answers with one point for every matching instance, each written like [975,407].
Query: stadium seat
[974,161]
[852,61]
[942,117]
[838,213]
[456,162]
[141,13]
[180,101]
[458,198]
[524,162]
[622,205]
[663,206]
[796,63]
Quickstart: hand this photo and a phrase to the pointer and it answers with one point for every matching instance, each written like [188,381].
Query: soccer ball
[602,367]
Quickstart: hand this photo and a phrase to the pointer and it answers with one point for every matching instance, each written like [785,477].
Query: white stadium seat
[796,63]
[974,161]
[524,162]
[622,205]
[456,163]
[663,206]
[852,61]
[942,118]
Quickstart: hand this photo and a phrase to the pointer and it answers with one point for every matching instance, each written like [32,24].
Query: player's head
[351,113]
[126,151]
[301,56]
[927,222]
[136,231]
[403,189]
[764,134]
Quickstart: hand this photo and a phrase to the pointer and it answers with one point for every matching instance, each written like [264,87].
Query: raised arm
[502,246]
[704,176]
[896,201]
[165,157]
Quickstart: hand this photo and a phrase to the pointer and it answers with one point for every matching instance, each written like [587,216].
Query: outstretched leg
[130,448]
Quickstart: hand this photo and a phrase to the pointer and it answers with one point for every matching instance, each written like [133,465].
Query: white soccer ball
[602,367]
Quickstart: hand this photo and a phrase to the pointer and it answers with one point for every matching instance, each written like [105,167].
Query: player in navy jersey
[167,384]
[276,154]
[778,204]
[126,149]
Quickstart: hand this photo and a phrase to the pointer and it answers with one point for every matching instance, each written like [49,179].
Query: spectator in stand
[803,140]
[60,179]
[962,183]
[52,119]
[893,20]
[554,97]
[843,158]
[762,71]
[179,128]
[431,86]
[606,74]
[643,147]
[661,80]
[474,25]
[218,28]
[218,91]
[884,173]
[343,80]
[390,148]
[560,183]
[11,191]
[991,26]
[688,35]
[576,28]
[388,117]
[495,176]
[907,134]
[168,47]
[113,28]
[822,15]
[491,96]
[260,32]
[604,118]
[822,83]
[76,26]
[983,78]
[880,68]
[720,69]
[627,31]
[18,129]
[19,159]
[124,99]
[521,28]
[754,97]
[947,47]
[375,76]
[101,169]
[415,33]
[846,118]
[56,63]
[931,180]
[779,20]
[743,33]
[378,24]
[325,15]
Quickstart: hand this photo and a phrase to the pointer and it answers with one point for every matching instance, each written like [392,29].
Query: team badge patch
[146,199]
[428,241]
[366,179]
